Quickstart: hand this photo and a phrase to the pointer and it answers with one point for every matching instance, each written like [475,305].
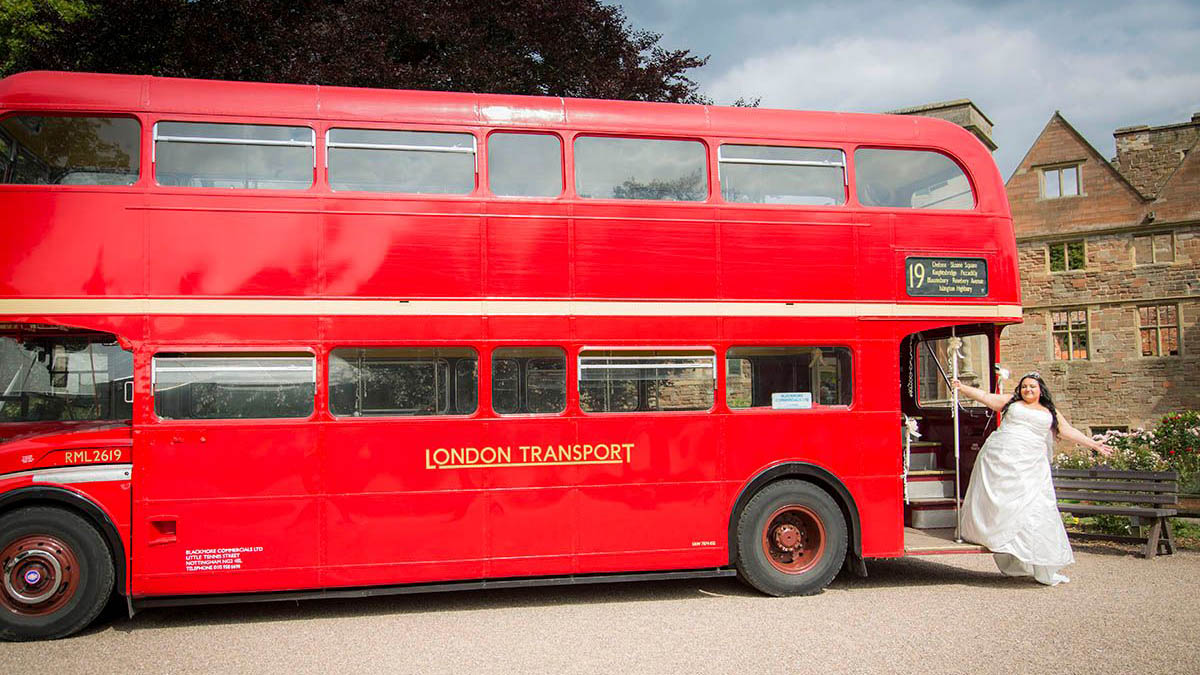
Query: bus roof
[143,93]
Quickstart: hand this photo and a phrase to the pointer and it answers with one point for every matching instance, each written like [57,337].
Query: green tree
[580,48]
[28,24]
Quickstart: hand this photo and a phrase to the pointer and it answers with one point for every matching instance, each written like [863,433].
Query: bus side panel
[527,254]
[393,514]
[45,252]
[402,249]
[532,510]
[230,248]
[225,507]
[621,253]
[793,258]
[881,511]
[664,506]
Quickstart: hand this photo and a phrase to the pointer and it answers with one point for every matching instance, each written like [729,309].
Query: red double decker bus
[273,341]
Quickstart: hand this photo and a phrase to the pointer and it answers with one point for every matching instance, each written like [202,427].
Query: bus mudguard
[55,496]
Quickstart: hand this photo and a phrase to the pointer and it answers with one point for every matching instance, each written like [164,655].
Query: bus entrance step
[923,459]
[930,483]
[924,513]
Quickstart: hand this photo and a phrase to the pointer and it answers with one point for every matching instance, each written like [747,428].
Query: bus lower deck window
[233,385]
[649,380]
[529,380]
[403,381]
[811,375]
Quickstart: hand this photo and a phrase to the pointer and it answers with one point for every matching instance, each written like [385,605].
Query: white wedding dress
[1010,506]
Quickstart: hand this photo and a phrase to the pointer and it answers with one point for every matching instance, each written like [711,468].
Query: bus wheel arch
[73,502]
[808,473]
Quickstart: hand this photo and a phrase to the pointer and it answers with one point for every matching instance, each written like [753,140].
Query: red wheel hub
[40,574]
[793,539]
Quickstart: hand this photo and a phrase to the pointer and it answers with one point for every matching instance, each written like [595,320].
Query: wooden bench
[1146,497]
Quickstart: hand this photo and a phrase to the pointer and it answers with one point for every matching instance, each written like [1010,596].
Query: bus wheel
[791,539]
[57,574]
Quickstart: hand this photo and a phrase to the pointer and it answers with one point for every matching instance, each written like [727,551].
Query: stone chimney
[1147,156]
[962,112]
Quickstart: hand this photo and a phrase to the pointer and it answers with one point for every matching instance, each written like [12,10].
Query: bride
[1010,506]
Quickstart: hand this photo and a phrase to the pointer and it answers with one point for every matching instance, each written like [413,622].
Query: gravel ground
[944,614]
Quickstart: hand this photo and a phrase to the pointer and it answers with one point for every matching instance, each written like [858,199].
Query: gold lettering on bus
[557,454]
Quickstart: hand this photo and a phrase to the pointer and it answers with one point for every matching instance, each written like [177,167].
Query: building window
[1061,181]
[1154,248]
[1070,333]
[1067,255]
[1159,326]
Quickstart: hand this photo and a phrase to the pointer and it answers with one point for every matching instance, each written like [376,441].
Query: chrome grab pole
[954,352]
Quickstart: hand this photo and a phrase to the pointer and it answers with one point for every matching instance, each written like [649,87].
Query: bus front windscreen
[46,377]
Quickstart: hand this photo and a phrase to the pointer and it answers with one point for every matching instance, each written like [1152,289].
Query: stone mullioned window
[1158,330]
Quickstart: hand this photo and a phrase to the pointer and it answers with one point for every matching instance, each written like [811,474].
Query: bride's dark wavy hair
[1045,399]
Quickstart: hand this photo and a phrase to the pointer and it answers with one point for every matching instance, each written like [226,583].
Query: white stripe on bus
[68,475]
[496,307]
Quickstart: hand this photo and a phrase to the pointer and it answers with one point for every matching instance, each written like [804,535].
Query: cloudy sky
[1103,64]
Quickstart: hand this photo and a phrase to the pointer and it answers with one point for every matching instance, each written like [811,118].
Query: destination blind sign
[946,277]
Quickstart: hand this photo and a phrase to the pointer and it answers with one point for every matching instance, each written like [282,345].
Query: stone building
[1110,272]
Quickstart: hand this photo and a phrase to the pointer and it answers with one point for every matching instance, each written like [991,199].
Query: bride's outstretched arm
[1065,430]
[993,401]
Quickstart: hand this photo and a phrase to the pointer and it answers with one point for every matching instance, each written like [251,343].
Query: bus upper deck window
[910,179]
[62,150]
[248,156]
[758,174]
[640,168]
[413,162]
[525,165]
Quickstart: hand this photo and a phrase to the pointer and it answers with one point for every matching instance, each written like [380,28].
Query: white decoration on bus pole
[954,351]
[791,400]
[910,433]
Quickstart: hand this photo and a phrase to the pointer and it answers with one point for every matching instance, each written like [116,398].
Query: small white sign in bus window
[791,400]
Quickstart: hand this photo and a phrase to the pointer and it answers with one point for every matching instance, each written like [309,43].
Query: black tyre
[791,539]
[56,574]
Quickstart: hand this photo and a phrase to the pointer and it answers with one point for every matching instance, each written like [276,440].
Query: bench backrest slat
[1130,497]
[1079,484]
[1115,473]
